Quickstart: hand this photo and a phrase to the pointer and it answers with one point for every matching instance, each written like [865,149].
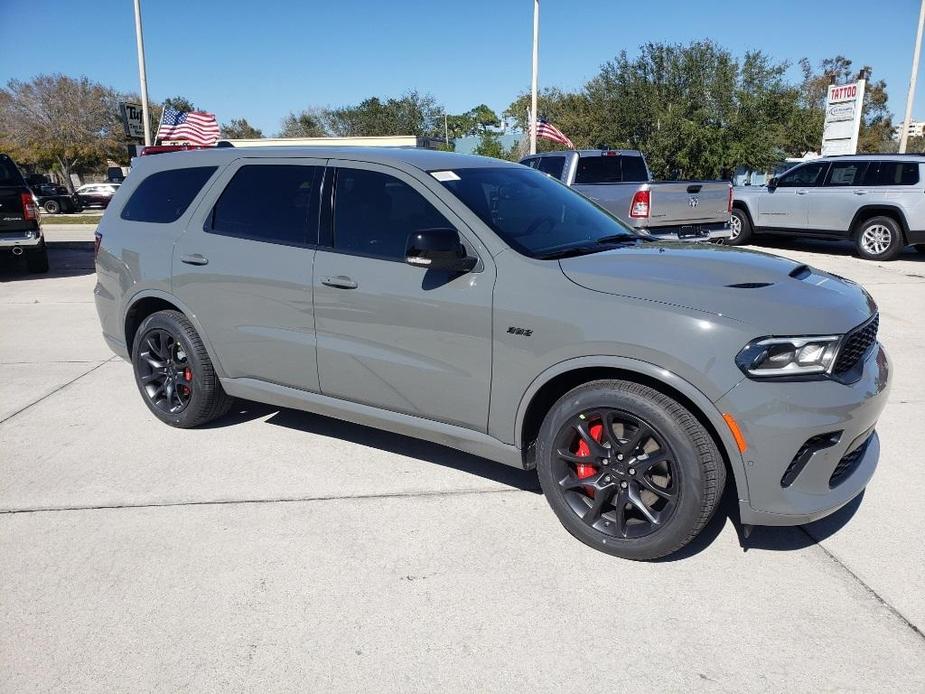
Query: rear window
[552,166]
[164,196]
[891,173]
[611,169]
[9,174]
[277,203]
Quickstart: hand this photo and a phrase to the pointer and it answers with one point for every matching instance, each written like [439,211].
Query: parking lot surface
[279,550]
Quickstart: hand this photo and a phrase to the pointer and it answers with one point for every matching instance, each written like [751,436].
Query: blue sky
[262,60]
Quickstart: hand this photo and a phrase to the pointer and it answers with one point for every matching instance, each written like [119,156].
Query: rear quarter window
[892,173]
[164,196]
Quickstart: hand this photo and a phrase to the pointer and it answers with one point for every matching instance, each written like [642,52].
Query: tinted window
[532,213]
[599,170]
[374,214]
[530,162]
[9,174]
[891,173]
[846,173]
[552,166]
[276,203]
[807,176]
[634,169]
[164,196]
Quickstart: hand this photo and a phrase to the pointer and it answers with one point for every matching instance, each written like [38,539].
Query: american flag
[195,127]
[547,131]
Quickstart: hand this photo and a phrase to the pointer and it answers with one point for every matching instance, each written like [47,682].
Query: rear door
[244,268]
[392,335]
[832,206]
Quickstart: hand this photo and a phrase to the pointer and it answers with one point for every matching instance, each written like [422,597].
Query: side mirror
[772,184]
[438,249]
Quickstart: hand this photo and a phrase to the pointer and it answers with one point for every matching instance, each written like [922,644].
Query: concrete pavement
[278,550]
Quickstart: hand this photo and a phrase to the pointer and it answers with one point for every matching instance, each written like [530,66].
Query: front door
[244,269]
[787,205]
[393,335]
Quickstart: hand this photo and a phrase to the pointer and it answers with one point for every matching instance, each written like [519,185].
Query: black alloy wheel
[617,474]
[164,371]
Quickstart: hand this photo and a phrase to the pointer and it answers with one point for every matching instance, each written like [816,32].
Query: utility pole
[536,58]
[446,129]
[142,74]
[904,135]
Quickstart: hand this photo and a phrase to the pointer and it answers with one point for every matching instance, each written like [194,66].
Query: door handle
[802,192]
[860,192]
[341,282]
[194,259]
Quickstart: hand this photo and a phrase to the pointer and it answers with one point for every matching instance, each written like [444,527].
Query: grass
[71,218]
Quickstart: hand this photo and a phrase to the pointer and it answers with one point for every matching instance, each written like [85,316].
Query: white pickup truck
[619,181]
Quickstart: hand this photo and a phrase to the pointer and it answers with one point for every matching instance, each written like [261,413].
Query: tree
[240,129]
[179,103]
[66,122]
[475,121]
[490,146]
[306,123]
[412,113]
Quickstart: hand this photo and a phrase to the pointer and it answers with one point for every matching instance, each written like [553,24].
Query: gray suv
[485,306]
[875,200]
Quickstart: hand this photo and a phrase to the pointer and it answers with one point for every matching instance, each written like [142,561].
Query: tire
[879,238]
[741,228]
[37,259]
[196,396]
[690,476]
[52,206]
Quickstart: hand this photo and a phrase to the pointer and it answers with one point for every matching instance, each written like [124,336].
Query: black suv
[20,229]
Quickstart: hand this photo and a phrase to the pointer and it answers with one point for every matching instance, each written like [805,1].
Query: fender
[866,211]
[657,373]
[160,294]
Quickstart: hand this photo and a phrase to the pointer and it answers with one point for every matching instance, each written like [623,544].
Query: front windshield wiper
[569,252]
[622,238]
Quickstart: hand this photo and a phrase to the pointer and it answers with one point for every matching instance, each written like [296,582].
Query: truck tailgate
[693,202]
[11,211]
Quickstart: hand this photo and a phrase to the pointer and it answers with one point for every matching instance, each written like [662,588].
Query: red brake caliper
[188,376]
[581,470]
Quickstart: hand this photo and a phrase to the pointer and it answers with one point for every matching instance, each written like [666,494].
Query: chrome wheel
[876,239]
[735,226]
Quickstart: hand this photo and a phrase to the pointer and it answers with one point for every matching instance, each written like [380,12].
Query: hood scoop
[749,285]
[800,272]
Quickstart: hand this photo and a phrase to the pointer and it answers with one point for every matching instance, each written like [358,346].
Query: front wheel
[741,228]
[174,373]
[879,238]
[628,470]
[52,206]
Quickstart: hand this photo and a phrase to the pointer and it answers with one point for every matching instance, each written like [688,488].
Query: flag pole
[142,74]
[904,135]
[536,40]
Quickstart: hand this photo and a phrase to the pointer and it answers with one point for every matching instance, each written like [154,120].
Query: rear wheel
[174,373]
[628,470]
[52,206]
[741,228]
[879,238]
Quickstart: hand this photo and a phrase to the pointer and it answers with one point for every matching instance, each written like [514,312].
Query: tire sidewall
[896,242]
[692,482]
[170,323]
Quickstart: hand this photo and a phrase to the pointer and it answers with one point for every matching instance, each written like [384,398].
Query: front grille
[848,464]
[855,345]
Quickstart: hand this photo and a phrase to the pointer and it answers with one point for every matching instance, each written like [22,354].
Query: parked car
[875,200]
[54,198]
[619,181]
[20,225]
[97,194]
[482,305]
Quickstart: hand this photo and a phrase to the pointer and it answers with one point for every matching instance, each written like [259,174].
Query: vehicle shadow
[383,440]
[67,260]
[771,242]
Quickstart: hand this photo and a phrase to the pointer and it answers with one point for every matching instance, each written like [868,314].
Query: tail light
[639,207]
[729,206]
[97,240]
[30,211]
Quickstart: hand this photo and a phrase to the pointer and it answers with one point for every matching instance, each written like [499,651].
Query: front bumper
[22,239]
[778,419]
[689,232]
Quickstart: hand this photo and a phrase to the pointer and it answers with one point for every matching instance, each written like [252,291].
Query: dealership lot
[277,549]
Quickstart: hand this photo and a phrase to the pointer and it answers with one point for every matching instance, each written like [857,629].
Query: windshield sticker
[444,176]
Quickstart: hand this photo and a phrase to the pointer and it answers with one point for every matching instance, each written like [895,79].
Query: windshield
[533,213]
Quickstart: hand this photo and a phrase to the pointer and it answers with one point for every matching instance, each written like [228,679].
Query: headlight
[782,357]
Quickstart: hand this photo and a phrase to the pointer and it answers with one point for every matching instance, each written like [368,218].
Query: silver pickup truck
[619,181]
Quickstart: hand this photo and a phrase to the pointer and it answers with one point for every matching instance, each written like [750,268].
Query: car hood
[777,295]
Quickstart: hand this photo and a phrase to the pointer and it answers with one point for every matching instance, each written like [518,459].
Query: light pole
[904,135]
[536,56]
[142,75]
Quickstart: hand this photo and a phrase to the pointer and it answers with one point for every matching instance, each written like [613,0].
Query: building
[916,129]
